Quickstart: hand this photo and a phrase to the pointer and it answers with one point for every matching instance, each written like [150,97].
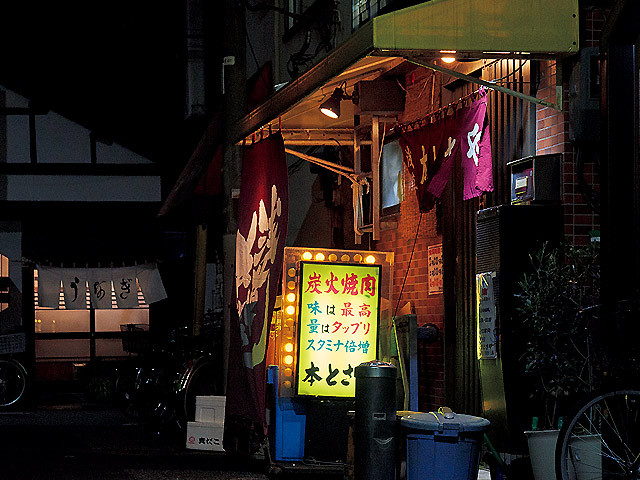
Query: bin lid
[375,368]
[435,421]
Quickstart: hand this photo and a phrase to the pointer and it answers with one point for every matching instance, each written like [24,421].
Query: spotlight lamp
[331,106]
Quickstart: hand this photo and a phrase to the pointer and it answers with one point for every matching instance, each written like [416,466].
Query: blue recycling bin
[443,446]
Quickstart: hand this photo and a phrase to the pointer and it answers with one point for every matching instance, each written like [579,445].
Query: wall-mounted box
[383,96]
[536,179]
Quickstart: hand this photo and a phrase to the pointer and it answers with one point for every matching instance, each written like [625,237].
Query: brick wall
[423,96]
[552,136]
[580,177]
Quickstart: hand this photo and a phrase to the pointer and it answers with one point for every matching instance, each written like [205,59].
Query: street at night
[80,441]
[320,239]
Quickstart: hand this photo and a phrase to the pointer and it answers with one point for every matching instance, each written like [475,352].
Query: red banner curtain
[260,241]
[431,150]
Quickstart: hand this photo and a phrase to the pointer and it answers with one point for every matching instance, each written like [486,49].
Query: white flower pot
[542,451]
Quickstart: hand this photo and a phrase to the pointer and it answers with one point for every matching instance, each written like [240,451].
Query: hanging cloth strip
[431,151]
[359,184]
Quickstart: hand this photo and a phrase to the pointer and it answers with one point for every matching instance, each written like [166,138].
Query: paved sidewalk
[97,442]
[83,441]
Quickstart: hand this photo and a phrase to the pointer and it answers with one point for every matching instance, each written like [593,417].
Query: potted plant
[556,305]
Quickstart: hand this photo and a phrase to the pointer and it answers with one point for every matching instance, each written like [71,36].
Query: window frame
[395,208]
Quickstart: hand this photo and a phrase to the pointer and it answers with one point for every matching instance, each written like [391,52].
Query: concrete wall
[58,139]
[267,37]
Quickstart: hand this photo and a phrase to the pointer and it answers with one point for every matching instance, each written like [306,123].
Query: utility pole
[233,63]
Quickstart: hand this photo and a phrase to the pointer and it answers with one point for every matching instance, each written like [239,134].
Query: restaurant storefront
[389,80]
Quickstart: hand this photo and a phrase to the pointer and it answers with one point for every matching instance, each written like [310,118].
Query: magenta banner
[260,240]
[430,153]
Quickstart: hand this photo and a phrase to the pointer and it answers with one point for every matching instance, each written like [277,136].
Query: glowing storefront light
[338,326]
[290,344]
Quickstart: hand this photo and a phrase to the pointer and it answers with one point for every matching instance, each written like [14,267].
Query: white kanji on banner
[100,287]
[74,287]
[103,284]
[125,287]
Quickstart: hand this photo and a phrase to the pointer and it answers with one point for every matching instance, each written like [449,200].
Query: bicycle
[13,375]
[159,388]
[601,440]
[13,382]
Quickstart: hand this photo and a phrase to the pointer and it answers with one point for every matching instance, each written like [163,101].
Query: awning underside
[475,29]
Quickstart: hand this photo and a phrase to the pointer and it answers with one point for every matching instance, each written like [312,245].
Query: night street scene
[320,239]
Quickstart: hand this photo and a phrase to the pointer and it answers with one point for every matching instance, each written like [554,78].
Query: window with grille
[293,7]
[363,10]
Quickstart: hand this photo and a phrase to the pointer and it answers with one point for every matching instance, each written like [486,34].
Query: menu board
[338,326]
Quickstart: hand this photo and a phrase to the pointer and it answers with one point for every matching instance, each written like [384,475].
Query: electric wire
[415,239]
[393,318]
[255,58]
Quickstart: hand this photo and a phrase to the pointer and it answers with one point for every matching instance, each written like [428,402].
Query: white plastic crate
[210,408]
[205,436]
[13,343]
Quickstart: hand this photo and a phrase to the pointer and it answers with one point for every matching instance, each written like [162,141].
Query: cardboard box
[204,436]
[210,409]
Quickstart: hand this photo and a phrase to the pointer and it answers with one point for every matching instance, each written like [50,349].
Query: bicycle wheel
[201,379]
[602,440]
[126,391]
[13,381]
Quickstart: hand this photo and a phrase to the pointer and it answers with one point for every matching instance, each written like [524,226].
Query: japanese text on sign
[435,269]
[487,333]
[338,327]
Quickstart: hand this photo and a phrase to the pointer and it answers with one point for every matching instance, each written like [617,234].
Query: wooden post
[200,278]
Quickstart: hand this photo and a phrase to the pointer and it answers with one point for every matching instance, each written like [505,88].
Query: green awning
[475,29]
[480,28]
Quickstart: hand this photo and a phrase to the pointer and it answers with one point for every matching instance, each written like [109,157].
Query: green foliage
[556,306]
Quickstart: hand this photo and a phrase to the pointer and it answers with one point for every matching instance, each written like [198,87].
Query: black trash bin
[375,425]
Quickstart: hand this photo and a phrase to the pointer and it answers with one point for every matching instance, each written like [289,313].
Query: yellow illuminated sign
[338,326]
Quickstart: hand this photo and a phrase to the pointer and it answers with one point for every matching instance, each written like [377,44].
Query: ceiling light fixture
[449,56]
[331,106]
